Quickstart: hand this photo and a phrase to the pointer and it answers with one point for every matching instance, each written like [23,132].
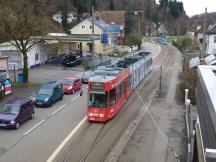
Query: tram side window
[120,90]
[112,97]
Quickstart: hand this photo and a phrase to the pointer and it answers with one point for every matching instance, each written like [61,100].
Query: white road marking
[74,98]
[58,109]
[53,113]
[34,127]
[61,146]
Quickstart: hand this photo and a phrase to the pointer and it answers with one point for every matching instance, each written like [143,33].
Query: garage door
[14,58]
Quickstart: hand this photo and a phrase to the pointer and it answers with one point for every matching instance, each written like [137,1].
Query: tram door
[126,89]
[112,103]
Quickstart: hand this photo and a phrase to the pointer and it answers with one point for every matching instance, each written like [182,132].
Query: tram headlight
[101,115]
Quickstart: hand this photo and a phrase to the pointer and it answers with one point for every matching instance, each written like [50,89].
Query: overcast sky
[193,7]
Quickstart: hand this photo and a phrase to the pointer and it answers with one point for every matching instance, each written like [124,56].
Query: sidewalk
[152,47]
[19,92]
[149,47]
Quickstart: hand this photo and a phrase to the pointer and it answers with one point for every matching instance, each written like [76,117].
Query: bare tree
[19,21]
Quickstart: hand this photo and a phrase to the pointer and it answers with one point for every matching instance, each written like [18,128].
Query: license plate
[2,125]
[39,103]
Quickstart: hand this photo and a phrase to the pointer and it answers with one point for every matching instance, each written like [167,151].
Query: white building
[37,55]
[70,18]
[211,40]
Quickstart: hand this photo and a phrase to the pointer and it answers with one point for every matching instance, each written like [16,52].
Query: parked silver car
[87,75]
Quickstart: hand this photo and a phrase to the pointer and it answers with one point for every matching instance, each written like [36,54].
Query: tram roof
[110,72]
[106,74]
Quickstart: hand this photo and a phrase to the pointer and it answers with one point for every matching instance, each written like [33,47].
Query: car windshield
[72,58]
[46,91]
[67,82]
[10,109]
[98,99]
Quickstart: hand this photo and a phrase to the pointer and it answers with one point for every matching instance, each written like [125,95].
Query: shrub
[188,80]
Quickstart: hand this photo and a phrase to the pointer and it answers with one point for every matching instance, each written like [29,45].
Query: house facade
[37,55]
[105,36]
[211,40]
[115,19]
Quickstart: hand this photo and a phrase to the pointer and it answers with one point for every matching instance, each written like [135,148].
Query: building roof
[208,74]
[3,57]
[206,105]
[103,25]
[211,29]
[112,17]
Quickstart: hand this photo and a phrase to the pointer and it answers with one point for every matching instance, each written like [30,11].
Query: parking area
[48,72]
[41,75]
[53,72]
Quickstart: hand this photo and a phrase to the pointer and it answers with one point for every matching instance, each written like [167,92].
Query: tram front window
[98,100]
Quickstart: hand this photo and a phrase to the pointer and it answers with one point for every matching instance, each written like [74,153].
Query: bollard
[186,96]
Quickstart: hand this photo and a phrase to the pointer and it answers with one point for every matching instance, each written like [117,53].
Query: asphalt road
[36,139]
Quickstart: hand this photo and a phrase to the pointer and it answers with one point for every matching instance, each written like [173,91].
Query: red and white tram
[112,85]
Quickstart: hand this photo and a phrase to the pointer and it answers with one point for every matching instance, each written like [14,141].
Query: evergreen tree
[130,22]
[163,3]
[93,2]
[112,6]
[176,8]
[82,7]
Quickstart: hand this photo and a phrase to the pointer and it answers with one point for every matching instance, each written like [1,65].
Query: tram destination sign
[97,86]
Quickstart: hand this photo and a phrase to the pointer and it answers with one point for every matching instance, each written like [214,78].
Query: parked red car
[71,85]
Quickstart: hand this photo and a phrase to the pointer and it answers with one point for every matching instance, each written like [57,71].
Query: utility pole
[161,77]
[204,36]
[178,29]
[140,21]
[93,50]
[139,29]
[188,27]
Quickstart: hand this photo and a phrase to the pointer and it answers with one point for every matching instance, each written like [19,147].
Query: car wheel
[17,125]
[50,105]
[32,115]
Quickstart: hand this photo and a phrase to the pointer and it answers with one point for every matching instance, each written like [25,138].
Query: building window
[36,56]
[90,27]
[214,39]
[83,27]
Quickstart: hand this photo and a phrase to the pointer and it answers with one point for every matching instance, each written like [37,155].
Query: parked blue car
[15,112]
[48,94]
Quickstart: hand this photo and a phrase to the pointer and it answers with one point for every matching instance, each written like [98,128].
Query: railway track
[96,140]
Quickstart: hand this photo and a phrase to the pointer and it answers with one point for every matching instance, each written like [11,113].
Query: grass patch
[170,39]
[146,39]
[117,53]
